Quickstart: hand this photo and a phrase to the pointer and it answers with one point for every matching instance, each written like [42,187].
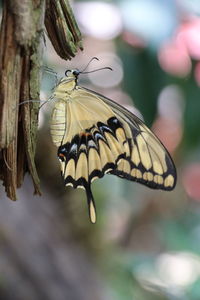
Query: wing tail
[91,205]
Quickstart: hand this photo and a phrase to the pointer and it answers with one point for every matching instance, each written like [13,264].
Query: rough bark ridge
[62,28]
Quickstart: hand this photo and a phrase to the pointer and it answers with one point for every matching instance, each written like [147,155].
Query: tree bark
[20,60]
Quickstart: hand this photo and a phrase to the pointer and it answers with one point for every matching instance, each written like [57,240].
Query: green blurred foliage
[143,79]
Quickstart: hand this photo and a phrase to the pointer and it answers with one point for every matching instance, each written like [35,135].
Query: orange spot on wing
[84,134]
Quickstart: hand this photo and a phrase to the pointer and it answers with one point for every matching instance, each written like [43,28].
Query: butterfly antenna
[105,68]
[93,58]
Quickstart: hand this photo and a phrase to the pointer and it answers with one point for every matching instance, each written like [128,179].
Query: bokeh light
[178,269]
[189,7]
[99,19]
[171,271]
[188,37]
[171,103]
[168,125]
[106,78]
[155,13]
[175,54]
[174,59]
[191,180]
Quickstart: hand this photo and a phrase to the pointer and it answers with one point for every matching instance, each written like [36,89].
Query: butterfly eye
[76,72]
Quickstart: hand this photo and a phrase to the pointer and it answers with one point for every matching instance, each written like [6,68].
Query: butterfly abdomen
[58,122]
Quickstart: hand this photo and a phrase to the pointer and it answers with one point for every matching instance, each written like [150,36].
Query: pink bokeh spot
[189,36]
[191,180]
[175,56]
[174,59]
[169,132]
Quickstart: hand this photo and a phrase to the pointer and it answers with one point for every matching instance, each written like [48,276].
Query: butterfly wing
[150,162]
[103,137]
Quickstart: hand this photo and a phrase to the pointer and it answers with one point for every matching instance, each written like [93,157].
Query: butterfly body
[95,136]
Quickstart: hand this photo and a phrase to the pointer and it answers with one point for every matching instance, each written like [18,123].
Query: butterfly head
[72,73]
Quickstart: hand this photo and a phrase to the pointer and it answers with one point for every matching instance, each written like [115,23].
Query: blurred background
[146,244]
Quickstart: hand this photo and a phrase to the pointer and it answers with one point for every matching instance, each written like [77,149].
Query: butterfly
[96,136]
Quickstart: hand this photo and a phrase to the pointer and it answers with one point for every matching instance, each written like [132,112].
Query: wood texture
[20,55]
[62,28]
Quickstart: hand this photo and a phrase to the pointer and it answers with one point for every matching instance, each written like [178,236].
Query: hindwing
[91,154]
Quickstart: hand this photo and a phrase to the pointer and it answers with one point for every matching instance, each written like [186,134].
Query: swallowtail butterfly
[96,136]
